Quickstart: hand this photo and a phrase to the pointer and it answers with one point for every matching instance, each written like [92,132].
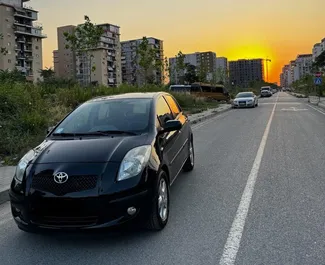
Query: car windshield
[114,115]
[244,95]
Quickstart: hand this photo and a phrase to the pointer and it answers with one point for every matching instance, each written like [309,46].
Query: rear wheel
[189,164]
[160,206]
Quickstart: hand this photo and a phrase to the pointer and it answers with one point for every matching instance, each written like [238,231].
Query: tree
[3,50]
[190,74]
[180,67]
[202,74]
[219,76]
[12,76]
[167,70]
[148,61]
[47,73]
[83,40]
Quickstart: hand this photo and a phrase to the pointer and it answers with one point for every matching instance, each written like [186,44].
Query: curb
[210,116]
[4,195]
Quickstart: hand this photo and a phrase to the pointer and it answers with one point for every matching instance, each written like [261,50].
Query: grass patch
[27,110]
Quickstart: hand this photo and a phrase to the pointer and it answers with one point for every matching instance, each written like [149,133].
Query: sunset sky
[278,29]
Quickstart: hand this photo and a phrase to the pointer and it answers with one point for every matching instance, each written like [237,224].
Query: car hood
[86,150]
[265,91]
[238,99]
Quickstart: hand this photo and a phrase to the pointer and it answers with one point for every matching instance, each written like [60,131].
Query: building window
[9,61]
[36,47]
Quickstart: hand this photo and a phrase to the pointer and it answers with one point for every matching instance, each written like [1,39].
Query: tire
[189,164]
[158,218]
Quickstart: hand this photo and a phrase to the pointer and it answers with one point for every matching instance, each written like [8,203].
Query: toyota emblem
[61,177]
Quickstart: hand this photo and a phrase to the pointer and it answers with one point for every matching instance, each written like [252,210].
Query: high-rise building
[222,68]
[317,50]
[131,71]
[284,76]
[22,37]
[302,66]
[204,60]
[105,59]
[64,59]
[243,72]
[222,62]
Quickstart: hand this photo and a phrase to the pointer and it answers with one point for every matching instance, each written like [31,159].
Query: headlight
[134,162]
[22,165]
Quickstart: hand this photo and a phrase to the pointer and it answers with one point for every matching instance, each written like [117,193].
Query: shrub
[27,110]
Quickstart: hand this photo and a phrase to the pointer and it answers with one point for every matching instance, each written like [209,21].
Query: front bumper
[77,213]
[243,105]
[105,204]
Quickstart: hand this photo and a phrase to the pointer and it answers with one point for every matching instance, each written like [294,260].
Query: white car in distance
[245,99]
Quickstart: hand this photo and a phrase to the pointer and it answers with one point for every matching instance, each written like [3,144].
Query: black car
[110,161]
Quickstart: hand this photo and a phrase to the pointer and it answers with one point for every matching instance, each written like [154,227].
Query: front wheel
[189,164]
[160,206]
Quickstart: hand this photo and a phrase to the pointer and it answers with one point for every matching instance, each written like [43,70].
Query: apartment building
[64,60]
[284,76]
[106,58]
[222,62]
[302,66]
[243,72]
[317,50]
[222,68]
[131,72]
[22,36]
[206,60]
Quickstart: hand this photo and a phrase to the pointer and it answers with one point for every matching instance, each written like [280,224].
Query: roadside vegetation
[27,110]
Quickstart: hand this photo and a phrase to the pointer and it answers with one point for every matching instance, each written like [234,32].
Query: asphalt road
[256,196]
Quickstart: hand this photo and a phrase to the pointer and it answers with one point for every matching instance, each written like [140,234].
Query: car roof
[134,95]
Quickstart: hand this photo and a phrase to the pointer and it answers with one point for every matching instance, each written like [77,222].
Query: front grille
[74,184]
[73,221]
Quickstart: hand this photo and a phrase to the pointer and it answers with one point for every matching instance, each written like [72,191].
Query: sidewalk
[7,173]
[320,102]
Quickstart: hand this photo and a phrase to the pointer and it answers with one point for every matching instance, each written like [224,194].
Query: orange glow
[234,29]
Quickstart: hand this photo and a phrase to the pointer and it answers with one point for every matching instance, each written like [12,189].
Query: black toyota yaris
[110,161]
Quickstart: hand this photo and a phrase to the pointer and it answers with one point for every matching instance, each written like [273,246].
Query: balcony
[27,13]
[23,23]
[35,32]
[21,40]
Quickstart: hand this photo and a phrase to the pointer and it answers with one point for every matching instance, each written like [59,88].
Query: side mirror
[171,125]
[49,129]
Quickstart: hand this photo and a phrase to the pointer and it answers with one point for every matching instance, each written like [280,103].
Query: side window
[163,111]
[173,105]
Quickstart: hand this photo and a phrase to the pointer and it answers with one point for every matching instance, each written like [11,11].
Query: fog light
[131,210]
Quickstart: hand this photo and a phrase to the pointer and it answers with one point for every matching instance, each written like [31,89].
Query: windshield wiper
[64,134]
[112,132]
[105,133]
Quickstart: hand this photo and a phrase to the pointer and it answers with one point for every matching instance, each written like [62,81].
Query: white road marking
[236,231]
[316,109]
[279,103]
[293,109]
